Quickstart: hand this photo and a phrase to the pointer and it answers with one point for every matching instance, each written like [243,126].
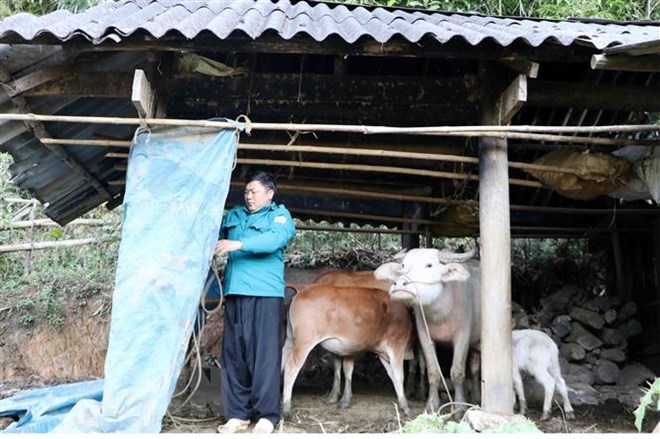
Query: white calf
[536,353]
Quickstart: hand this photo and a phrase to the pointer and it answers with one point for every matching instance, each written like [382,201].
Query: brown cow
[346,321]
[351,278]
[367,279]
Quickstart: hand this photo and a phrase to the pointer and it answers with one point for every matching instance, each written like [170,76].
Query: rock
[606,372]
[591,357]
[630,329]
[589,318]
[582,394]
[572,351]
[615,355]
[577,330]
[520,317]
[627,311]
[563,365]
[598,304]
[627,396]
[635,374]
[589,342]
[557,303]
[578,374]
[610,316]
[561,325]
[610,336]
[480,420]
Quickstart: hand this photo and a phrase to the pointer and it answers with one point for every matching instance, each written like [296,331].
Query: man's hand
[227,245]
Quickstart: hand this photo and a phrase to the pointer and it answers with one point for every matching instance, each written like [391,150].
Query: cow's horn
[446,256]
[399,256]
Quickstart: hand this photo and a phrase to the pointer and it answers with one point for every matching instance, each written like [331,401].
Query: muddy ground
[373,410]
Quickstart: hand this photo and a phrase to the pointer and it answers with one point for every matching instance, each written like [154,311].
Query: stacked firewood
[592,334]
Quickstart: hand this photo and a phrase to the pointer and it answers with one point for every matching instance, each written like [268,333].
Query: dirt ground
[374,409]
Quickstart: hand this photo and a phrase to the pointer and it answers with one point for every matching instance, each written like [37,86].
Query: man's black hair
[264,178]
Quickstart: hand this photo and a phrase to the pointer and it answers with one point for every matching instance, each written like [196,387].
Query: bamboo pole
[301,188]
[53,244]
[18,200]
[87,142]
[382,153]
[460,131]
[51,223]
[348,230]
[370,168]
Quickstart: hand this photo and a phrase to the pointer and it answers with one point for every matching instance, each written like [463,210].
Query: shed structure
[327,64]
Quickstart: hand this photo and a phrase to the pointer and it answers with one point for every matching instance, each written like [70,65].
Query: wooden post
[622,291]
[494,223]
[413,211]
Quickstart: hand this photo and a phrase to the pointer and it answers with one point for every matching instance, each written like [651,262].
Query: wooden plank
[602,96]
[427,47]
[31,80]
[512,100]
[522,66]
[142,94]
[326,91]
[626,63]
[495,232]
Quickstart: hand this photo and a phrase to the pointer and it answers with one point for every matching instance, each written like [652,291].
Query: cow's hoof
[345,405]
[570,416]
[331,400]
[545,416]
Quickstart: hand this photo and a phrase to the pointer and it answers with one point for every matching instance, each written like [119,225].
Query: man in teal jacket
[254,236]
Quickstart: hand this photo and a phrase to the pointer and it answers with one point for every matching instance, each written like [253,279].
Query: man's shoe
[264,426]
[234,425]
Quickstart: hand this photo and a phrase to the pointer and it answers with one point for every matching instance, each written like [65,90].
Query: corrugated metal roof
[115,20]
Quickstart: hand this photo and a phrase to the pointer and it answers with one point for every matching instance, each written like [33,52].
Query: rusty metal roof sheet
[116,20]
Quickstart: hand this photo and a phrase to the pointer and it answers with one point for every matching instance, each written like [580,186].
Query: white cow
[534,352]
[445,296]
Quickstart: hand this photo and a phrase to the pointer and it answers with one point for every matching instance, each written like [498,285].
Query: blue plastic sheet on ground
[177,183]
[40,410]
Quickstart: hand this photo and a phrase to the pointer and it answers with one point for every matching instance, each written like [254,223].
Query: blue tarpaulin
[177,183]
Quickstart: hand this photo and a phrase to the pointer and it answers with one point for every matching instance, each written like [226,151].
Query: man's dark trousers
[251,357]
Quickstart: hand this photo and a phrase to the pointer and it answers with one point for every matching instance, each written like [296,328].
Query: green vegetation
[556,9]
[434,423]
[652,393]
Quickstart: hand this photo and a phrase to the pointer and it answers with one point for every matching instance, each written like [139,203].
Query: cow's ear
[389,272]
[455,272]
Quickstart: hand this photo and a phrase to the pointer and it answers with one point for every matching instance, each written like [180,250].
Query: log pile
[592,334]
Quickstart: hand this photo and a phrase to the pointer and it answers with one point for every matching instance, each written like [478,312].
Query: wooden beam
[626,63]
[426,47]
[495,232]
[31,80]
[651,47]
[512,100]
[313,88]
[317,90]
[142,96]
[522,66]
[601,96]
[40,131]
